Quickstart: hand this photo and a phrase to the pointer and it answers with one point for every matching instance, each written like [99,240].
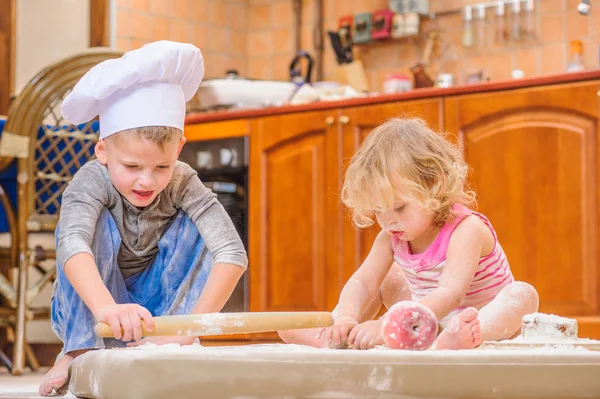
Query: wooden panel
[356,244]
[7,53]
[288,217]
[535,165]
[99,23]
[217,130]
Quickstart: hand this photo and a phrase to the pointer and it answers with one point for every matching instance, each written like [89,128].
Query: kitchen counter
[486,87]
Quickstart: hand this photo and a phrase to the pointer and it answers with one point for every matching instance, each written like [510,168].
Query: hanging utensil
[296,69]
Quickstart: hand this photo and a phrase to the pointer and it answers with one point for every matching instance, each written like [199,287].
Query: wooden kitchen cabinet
[292,163]
[302,245]
[535,166]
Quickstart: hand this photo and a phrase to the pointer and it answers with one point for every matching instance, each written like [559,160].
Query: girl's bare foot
[57,379]
[463,332]
[310,336]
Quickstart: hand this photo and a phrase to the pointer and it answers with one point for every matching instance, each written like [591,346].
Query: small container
[398,26]
[397,83]
[444,80]
[403,6]
[362,27]
[576,56]
[345,25]
[411,23]
[382,24]
[517,74]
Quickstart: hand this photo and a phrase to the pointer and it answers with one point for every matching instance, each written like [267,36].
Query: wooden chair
[49,151]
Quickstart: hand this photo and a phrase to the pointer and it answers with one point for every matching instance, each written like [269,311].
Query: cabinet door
[534,159]
[357,123]
[291,163]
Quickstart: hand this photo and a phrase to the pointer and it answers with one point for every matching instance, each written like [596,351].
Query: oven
[222,165]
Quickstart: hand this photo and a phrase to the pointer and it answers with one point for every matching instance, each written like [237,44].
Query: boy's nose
[147,181]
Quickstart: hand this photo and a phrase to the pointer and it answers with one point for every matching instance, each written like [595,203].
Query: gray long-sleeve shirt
[91,190]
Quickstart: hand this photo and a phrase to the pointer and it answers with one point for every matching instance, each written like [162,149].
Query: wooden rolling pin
[228,323]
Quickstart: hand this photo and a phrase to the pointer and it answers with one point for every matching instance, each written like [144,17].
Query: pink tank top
[423,270]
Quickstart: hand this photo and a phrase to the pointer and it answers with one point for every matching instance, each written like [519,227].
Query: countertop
[195,118]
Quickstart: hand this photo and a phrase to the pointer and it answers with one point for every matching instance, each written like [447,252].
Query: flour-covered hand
[366,335]
[337,335]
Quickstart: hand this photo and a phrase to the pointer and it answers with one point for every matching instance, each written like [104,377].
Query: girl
[432,248]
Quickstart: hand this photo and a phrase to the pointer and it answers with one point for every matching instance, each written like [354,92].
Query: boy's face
[139,168]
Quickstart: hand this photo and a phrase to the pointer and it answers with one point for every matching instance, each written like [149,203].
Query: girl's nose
[390,219]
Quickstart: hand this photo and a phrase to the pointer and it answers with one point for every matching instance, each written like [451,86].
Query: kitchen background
[256,37]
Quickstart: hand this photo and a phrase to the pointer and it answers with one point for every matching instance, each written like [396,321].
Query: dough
[293,371]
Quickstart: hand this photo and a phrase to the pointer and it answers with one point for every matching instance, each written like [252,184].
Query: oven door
[233,198]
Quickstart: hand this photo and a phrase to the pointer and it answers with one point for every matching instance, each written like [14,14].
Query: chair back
[49,149]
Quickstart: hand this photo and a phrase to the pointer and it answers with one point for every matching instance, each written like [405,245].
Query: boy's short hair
[156,134]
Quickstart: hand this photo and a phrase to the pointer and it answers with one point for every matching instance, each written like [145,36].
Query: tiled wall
[218,27]
[257,37]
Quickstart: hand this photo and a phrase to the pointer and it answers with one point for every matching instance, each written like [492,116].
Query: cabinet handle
[344,119]
[329,121]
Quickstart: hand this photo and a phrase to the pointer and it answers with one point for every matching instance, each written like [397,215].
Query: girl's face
[407,221]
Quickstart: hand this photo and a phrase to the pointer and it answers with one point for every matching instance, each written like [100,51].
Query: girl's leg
[501,318]
[172,284]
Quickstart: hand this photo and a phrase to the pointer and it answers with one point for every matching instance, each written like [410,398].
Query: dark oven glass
[222,166]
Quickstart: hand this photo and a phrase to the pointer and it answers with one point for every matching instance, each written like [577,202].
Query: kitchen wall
[47,32]
[218,27]
[256,37]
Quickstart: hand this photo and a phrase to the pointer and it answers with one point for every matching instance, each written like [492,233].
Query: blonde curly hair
[404,159]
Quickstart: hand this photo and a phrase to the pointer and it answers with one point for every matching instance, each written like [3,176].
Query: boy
[139,234]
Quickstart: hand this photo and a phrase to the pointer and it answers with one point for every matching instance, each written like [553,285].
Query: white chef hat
[148,86]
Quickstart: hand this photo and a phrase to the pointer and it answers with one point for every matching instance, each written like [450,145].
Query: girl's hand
[366,335]
[181,340]
[129,317]
[338,333]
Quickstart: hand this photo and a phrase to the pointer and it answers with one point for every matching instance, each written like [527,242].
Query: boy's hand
[127,316]
[366,335]
[338,333]
[181,340]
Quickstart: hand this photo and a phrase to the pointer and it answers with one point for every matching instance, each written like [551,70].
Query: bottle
[467,39]
[500,24]
[480,25]
[528,21]
[515,23]
[576,56]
